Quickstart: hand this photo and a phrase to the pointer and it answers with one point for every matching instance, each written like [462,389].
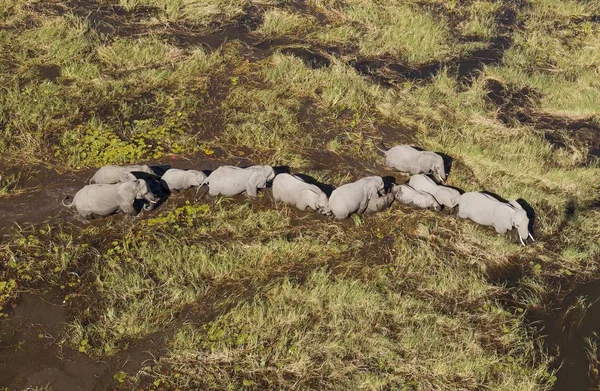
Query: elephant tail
[67,205]
[204,182]
[384,150]
[198,189]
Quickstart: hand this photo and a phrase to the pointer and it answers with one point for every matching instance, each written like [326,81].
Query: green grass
[278,23]
[205,14]
[556,54]
[365,338]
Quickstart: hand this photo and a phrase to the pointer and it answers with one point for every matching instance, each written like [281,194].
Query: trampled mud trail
[40,199]
[578,364]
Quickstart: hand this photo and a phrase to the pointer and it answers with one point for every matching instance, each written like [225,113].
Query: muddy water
[569,333]
[30,352]
[41,198]
[29,355]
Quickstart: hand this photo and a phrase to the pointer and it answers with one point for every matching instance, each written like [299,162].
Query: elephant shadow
[325,188]
[158,187]
[160,169]
[458,189]
[530,213]
[448,161]
[279,170]
[388,182]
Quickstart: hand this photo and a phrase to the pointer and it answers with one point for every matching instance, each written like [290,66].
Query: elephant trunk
[67,205]
[151,201]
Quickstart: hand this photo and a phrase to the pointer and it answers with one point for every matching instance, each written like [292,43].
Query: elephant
[230,180]
[380,203]
[293,190]
[409,196]
[446,196]
[176,179]
[408,159]
[115,174]
[105,199]
[354,197]
[484,209]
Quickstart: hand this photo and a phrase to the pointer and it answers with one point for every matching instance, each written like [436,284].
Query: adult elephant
[94,201]
[355,197]
[486,210]
[408,159]
[230,180]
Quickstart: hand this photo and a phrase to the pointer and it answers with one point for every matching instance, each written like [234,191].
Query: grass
[204,15]
[250,295]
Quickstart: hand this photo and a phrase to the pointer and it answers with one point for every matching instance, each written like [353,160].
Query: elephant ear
[372,189]
[312,195]
[258,180]
[126,177]
[128,190]
[515,204]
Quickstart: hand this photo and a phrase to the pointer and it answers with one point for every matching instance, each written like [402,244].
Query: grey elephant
[105,199]
[486,210]
[175,179]
[420,199]
[354,197]
[408,159]
[115,174]
[380,203]
[230,180]
[446,196]
[293,190]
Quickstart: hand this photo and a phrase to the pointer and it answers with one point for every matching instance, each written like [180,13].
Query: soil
[568,331]
[31,353]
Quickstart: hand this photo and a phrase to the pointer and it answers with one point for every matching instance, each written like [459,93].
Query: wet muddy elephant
[94,201]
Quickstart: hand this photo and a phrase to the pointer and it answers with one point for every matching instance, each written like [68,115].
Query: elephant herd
[118,188]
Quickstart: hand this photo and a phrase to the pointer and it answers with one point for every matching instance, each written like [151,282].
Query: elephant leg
[129,209]
[86,216]
[252,191]
[301,205]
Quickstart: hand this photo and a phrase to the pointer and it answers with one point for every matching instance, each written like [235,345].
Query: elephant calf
[105,199]
[486,210]
[293,190]
[446,196]
[230,180]
[354,197]
[176,179]
[409,196]
[408,159]
[380,203]
[115,174]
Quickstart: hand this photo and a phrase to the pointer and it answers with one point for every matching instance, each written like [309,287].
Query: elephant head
[143,192]
[437,167]
[269,173]
[196,178]
[322,204]
[374,187]
[520,221]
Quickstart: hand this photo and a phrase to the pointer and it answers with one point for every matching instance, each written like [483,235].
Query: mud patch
[49,72]
[30,356]
[570,331]
[310,58]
